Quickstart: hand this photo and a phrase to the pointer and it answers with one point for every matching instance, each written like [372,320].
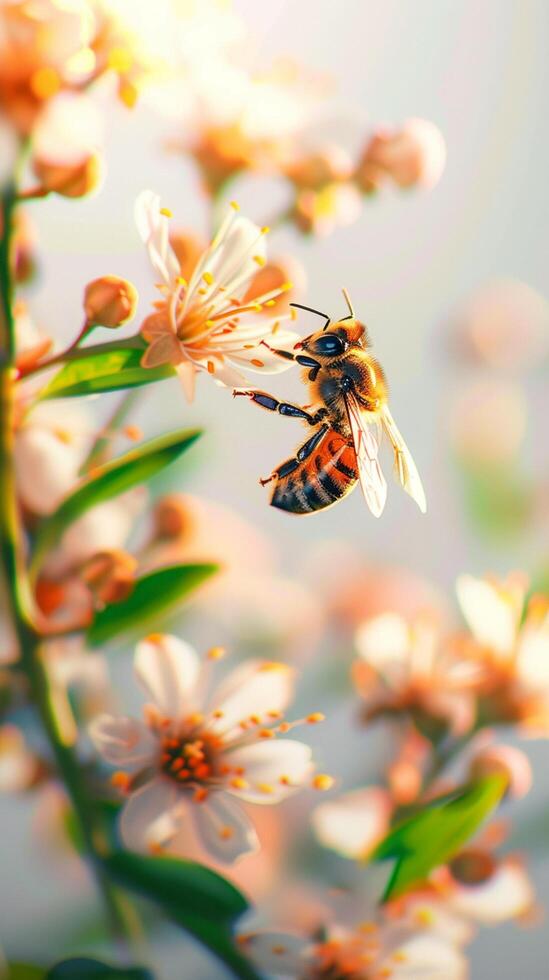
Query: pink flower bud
[109,302]
[412,156]
[510,762]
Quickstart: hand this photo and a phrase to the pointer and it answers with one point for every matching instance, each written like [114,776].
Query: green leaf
[84,968]
[109,481]
[194,897]
[433,836]
[155,595]
[25,971]
[108,370]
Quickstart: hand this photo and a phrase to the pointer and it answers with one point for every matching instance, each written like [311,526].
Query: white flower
[367,953]
[513,643]
[354,823]
[405,666]
[198,325]
[197,756]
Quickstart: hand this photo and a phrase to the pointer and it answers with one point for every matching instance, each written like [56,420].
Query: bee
[349,413]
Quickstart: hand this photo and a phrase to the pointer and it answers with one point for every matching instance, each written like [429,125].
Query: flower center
[188,759]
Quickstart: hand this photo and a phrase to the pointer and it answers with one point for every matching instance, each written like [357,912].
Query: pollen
[226,833]
[211,367]
[257,363]
[270,302]
[216,653]
[265,230]
[315,718]
[166,212]
[265,788]
[323,782]
[120,60]
[259,260]
[121,781]
[425,917]
[286,286]
[218,713]
[235,206]
[400,956]
[200,795]
[266,733]
[239,783]
[208,278]
[181,281]
[45,82]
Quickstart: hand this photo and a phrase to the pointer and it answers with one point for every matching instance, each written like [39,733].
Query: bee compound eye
[329,344]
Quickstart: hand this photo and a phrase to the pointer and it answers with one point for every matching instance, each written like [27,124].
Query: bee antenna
[349,304]
[309,309]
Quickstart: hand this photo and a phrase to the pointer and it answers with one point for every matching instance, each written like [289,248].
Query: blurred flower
[193,755]
[353,824]
[368,952]
[409,668]
[335,205]
[50,444]
[31,343]
[76,671]
[19,766]
[353,590]
[247,121]
[504,325]
[24,246]
[67,141]
[485,889]
[248,598]
[511,643]
[500,413]
[110,576]
[197,326]
[413,155]
[109,302]
[43,45]
[507,760]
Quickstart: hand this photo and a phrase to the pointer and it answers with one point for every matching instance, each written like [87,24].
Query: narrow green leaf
[154,596]
[436,834]
[194,897]
[109,481]
[108,370]
[84,968]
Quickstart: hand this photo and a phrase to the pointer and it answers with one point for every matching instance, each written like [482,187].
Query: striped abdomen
[326,476]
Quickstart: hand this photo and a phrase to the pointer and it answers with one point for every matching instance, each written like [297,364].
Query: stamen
[211,367]
[226,833]
[266,733]
[265,230]
[121,780]
[260,260]
[216,653]
[235,206]
[208,278]
[323,782]
[265,788]
[166,212]
[315,718]
[257,363]
[239,783]
[200,795]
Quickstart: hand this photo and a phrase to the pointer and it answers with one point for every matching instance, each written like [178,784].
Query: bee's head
[334,340]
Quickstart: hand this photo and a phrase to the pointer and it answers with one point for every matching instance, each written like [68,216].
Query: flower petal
[271,769]
[123,741]
[256,688]
[152,227]
[384,643]
[506,895]
[280,953]
[168,669]
[224,828]
[491,616]
[354,823]
[424,956]
[186,372]
[148,817]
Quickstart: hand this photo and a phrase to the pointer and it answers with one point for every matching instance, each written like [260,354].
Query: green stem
[22,604]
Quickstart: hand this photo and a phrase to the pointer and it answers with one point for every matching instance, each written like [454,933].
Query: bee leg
[302,359]
[302,453]
[272,404]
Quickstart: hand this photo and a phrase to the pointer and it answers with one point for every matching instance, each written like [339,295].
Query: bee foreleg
[302,359]
[272,404]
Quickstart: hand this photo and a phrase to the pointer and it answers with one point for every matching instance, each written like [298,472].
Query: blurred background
[452,283]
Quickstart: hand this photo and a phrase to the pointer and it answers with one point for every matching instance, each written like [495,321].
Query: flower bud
[109,302]
[510,762]
[110,576]
[412,156]
[69,180]
[330,165]
[172,518]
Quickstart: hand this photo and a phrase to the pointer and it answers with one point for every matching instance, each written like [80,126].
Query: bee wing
[372,481]
[405,468]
